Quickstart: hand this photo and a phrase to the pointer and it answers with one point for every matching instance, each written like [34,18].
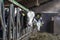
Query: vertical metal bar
[18,23]
[12,20]
[3,14]
[37,3]
[9,25]
[1,18]
[22,18]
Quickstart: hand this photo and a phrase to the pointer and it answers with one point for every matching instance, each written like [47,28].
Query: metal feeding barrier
[11,24]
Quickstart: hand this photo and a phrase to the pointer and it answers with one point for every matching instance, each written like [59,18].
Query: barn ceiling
[28,3]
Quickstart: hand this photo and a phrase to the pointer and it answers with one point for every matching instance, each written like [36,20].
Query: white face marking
[30,15]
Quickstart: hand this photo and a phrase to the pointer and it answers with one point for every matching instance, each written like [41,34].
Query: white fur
[30,15]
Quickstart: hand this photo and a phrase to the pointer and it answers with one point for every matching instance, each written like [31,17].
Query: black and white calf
[38,21]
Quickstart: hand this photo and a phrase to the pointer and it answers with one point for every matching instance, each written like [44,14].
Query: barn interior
[29,19]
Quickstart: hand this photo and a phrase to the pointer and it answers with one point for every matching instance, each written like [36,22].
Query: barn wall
[48,23]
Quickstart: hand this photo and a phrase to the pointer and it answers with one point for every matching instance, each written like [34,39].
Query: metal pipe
[1,19]
[12,20]
[19,5]
[27,34]
[1,1]
[18,24]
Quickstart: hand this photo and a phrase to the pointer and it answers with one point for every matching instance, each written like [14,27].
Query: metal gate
[11,29]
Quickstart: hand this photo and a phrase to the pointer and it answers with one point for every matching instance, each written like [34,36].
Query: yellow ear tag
[23,14]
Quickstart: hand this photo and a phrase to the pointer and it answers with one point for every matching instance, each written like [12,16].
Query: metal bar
[22,18]
[9,24]
[1,18]
[19,5]
[12,20]
[3,14]
[24,35]
[1,1]
[18,19]
[18,23]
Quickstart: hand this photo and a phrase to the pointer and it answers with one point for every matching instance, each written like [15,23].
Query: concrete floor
[50,7]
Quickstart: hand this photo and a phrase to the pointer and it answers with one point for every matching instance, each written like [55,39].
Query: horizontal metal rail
[27,34]
[19,5]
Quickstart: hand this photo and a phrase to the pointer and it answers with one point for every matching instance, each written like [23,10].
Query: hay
[44,36]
